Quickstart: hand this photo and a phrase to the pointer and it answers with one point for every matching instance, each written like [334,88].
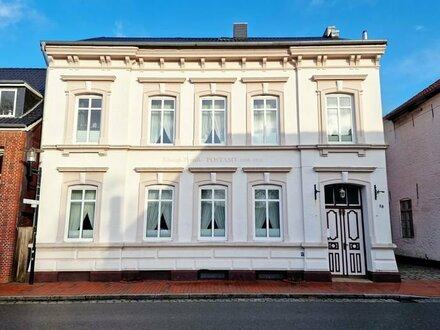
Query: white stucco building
[413,159]
[214,157]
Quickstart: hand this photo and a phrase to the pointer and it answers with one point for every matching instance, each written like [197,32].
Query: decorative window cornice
[82,169]
[339,77]
[161,80]
[266,169]
[361,169]
[264,79]
[158,169]
[212,169]
[213,80]
[87,78]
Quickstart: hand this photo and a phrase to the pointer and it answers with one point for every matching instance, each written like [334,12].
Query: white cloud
[118,30]
[419,27]
[10,13]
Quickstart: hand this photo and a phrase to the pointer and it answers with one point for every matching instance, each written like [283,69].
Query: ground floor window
[159,212]
[406,218]
[267,211]
[82,207]
[213,211]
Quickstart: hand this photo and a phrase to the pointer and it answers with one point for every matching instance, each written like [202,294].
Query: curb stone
[169,297]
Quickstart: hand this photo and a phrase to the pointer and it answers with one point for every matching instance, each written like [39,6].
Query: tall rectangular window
[213,120]
[88,126]
[265,120]
[159,212]
[406,218]
[340,118]
[7,102]
[162,114]
[82,206]
[213,211]
[1,160]
[267,212]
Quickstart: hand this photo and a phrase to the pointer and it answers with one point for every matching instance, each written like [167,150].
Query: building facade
[214,157]
[21,111]
[413,161]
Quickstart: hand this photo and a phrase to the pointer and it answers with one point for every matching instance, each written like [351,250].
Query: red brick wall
[11,181]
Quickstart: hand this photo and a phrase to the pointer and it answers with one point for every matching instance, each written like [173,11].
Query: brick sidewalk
[216,288]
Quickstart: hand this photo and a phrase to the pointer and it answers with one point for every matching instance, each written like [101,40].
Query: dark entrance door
[345,230]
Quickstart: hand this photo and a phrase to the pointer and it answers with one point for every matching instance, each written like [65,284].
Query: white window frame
[160,200]
[15,101]
[83,188]
[352,114]
[265,110]
[89,109]
[162,110]
[267,200]
[212,110]
[213,200]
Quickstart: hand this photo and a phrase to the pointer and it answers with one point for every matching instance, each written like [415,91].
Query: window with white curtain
[213,211]
[88,119]
[159,212]
[162,117]
[340,118]
[267,200]
[265,111]
[213,120]
[81,212]
[7,102]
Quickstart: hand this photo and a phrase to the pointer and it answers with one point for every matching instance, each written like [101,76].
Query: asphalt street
[245,314]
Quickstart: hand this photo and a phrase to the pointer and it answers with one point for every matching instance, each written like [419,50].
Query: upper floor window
[340,118]
[267,211]
[88,126]
[213,120]
[159,212]
[162,111]
[213,211]
[82,206]
[406,218]
[265,120]
[7,102]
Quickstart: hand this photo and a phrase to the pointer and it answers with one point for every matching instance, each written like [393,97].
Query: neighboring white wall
[413,160]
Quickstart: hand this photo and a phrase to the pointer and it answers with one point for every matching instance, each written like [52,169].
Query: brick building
[21,110]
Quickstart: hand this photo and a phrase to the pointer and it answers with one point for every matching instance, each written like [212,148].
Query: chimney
[240,31]
[331,32]
[364,35]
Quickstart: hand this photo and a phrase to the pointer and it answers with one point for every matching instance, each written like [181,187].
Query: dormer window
[7,102]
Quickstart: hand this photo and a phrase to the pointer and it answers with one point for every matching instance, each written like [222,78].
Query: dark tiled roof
[415,101]
[203,40]
[27,119]
[34,77]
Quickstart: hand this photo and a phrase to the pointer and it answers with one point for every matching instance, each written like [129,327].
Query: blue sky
[410,64]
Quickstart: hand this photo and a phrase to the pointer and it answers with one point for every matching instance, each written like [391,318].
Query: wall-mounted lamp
[342,193]
[377,192]
[316,191]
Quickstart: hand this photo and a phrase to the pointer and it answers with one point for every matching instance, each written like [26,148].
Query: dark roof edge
[338,42]
[13,125]
[415,101]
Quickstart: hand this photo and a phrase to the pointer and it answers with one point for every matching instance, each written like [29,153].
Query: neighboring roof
[27,119]
[36,78]
[415,101]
